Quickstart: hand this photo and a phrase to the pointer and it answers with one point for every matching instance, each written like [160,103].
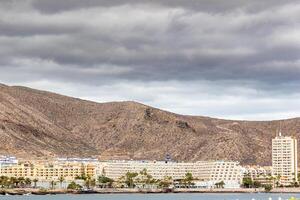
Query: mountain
[37,124]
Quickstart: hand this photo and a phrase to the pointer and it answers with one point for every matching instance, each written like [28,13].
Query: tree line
[129,180]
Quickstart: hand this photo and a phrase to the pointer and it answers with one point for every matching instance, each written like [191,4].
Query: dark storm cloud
[176,40]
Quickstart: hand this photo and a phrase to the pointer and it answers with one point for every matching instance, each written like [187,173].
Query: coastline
[31,191]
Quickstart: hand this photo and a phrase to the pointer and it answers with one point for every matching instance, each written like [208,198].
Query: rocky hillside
[38,124]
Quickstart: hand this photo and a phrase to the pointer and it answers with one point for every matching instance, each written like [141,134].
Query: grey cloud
[23,30]
[180,45]
[55,6]
[252,44]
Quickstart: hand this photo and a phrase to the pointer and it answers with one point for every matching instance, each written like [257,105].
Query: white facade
[215,171]
[256,171]
[284,159]
[8,160]
[219,171]
[212,184]
[77,160]
[157,169]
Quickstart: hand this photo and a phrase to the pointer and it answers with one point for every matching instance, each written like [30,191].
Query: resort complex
[204,173]
[73,173]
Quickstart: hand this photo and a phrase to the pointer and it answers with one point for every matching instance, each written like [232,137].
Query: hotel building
[214,171]
[47,171]
[207,173]
[284,159]
[157,169]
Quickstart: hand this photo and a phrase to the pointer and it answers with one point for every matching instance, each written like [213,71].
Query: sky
[233,59]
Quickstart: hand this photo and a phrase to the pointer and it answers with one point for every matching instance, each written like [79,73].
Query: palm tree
[145,177]
[4,181]
[221,184]
[121,181]
[13,182]
[74,186]
[93,182]
[129,178]
[149,179]
[217,185]
[188,178]
[88,180]
[61,180]
[278,178]
[166,182]
[35,182]
[144,172]
[105,181]
[20,181]
[271,179]
[27,182]
[103,172]
[53,183]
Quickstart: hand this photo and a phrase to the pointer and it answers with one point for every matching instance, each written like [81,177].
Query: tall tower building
[284,159]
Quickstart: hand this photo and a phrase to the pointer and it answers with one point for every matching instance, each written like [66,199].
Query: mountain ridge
[41,124]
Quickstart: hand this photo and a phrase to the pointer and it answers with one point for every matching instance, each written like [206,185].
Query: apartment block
[284,159]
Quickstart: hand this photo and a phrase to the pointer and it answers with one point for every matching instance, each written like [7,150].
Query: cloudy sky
[234,59]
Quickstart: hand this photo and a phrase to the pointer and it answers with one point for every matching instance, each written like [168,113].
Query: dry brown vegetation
[38,124]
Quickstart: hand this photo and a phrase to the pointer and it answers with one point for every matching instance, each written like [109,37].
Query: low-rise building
[49,171]
[261,174]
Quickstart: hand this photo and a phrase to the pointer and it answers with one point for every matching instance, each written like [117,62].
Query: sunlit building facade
[284,159]
[202,170]
[49,171]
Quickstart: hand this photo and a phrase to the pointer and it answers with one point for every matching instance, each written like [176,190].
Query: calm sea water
[156,197]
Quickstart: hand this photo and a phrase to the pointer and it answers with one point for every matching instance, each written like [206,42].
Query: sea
[170,196]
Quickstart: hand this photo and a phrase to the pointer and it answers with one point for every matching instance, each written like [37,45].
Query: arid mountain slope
[38,124]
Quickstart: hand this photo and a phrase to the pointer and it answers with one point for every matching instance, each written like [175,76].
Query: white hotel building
[207,172]
[284,159]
